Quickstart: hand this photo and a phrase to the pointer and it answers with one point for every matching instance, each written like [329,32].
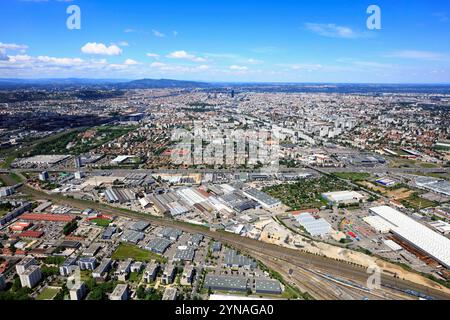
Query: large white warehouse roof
[416,233]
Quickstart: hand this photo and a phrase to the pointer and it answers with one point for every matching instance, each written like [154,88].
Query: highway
[272,255]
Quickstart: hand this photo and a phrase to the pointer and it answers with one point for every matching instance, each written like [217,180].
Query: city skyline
[324,42]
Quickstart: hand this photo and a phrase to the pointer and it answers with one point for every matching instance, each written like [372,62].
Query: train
[414,293]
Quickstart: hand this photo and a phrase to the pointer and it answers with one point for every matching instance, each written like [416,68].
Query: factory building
[132,236]
[170,233]
[415,234]
[159,205]
[42,160]
[268,286]
[119,195]
[343,197]
[386,182]
[433,184]
[184,254]
[234,260]
[441,226]
[264,199]
[158,245]
[124,160]
[108,233]
[315,227]
[140,226]
[195,240]
[226,283]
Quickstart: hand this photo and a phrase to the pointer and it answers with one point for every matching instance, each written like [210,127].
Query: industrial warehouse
[416,234]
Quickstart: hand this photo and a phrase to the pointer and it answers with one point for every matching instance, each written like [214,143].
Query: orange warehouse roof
[47,217]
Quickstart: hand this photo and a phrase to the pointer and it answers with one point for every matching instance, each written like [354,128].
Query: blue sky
[228,40]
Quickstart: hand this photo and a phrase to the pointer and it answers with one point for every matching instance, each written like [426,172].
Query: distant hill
[69,84]
[55,83]
[161,83]
[75,83]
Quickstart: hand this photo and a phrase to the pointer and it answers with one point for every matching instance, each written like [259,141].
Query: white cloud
[254,61]
[20,58]
[238,68]
[203,67]
[230,56]
[46,66]
[307,67]
[186,56]
[13,46]
[416,54]
[123,44]
[130,62]
[157,65]
[332,30]
[174,69]
[101,49]
[153,55]
[60,61]
[175,33]
[158,34]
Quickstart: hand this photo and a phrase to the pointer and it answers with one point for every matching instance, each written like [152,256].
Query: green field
[101,222]
[125,251]
[48,293]
[353,176]
[58,145]
[11,154]
[135,277]
[428,165]
[15,177]
[306,194]
[410,163]
[5,208]
[417,203]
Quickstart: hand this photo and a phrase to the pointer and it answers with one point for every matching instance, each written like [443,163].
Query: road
[293,259]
